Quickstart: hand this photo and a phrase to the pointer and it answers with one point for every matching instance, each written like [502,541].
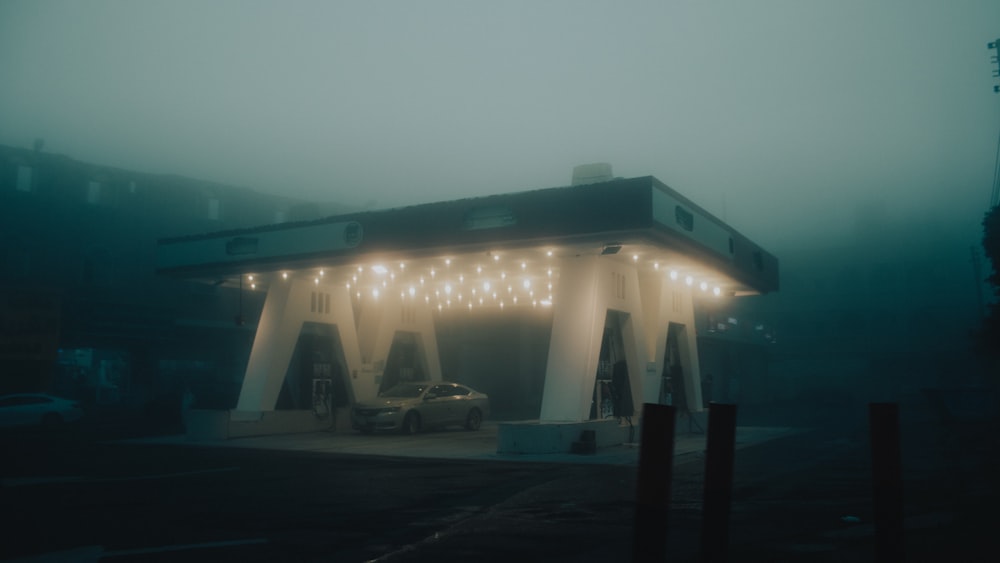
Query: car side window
[461,391]
[438,391]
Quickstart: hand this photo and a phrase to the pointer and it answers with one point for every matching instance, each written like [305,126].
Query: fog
[779,116]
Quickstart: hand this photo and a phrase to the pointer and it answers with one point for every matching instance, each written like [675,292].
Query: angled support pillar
[589,287]
[290,304]
[380,321]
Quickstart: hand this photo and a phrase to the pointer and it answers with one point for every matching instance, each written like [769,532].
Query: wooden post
[719,447]
[656,463]
[887,481]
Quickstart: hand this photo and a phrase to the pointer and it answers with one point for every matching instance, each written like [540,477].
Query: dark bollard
[887,481]
[719,446]
[656,463]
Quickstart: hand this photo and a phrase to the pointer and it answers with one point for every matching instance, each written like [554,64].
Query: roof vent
[592,173]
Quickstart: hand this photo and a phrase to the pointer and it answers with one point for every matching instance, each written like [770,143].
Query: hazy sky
[777,115]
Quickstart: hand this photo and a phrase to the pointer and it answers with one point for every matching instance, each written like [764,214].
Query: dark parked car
[410,407]
[37,409]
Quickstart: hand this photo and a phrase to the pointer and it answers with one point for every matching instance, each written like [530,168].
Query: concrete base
[542,437]
[222,425]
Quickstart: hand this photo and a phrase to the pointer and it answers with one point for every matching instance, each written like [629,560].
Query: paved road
[802,497]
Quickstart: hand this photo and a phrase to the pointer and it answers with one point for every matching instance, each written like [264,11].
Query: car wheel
[474,419]
[52,421]
[411,424]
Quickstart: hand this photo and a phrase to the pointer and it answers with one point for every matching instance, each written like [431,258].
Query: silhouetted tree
[990,333]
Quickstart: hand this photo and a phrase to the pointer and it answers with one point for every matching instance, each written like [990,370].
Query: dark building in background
[81,312]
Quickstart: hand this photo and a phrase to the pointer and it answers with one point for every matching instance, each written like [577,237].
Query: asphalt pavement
[457,443]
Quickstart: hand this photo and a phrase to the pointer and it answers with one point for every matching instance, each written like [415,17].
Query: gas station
[611,267]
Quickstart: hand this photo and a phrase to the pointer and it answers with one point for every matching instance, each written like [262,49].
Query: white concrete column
[588,288]
[277,333]
[655,300]
[290,304]
[671,301]
[575,342]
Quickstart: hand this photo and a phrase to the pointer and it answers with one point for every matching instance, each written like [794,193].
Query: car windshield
[405,390]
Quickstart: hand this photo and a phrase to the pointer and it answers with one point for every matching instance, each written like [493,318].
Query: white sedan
[37,409]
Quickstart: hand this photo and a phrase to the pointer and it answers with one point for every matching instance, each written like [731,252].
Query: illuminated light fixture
[527,284]
[354,278]
[348,286]
[635,257]
[549,254]
[402,265]
[611,248]
[704,286]
[360,269]
[437,293]
[427,298]
[717,291]
[673,275]
[322,273]
[494,296]
[473,291]
[479,269]
[459,297]
[515,300]
[392,276]
[421,280]
[316,280]
[550,287]
[402,294]
[524,265]
[284,275]
[496,257]
[385,283]
[375,293]
[470,305]
[509,289]
[550,272]
[433,272]
[250,277]
[656,265]
[501,304]
[534,303]
[486,286]
[461,278]
[546,302]
[689,280]
[439,307]
[480,300]
[503,275]
[253,286]
[380,269]
[447,261]
[447,288]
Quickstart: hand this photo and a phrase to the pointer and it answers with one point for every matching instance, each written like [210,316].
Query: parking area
[456,443]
